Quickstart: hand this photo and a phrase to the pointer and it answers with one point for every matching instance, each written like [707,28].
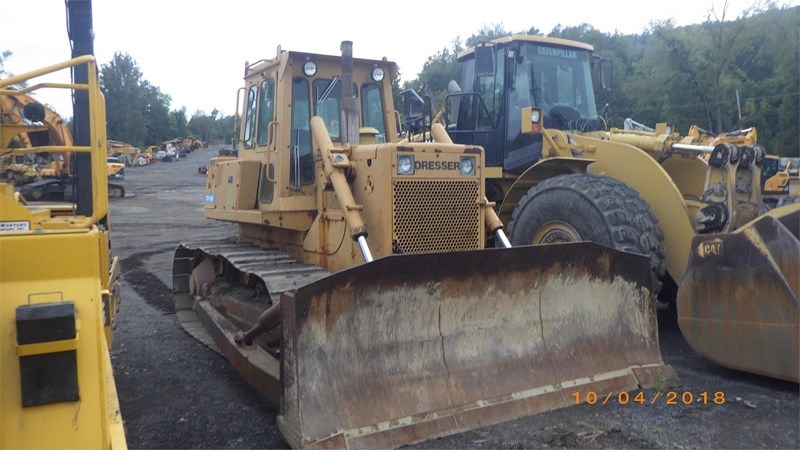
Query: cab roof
[530,38]
[284,56]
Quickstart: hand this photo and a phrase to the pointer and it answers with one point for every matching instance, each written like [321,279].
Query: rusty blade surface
[412,347]
[738,301]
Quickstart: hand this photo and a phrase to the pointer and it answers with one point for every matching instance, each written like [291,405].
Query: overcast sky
[195,51]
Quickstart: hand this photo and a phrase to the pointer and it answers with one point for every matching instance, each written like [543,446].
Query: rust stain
[740,308]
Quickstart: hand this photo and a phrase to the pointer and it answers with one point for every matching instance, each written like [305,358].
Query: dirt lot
[175,393]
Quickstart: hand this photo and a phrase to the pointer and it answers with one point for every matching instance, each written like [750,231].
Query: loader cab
[552,74]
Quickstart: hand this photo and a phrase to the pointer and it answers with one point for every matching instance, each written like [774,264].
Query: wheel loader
[559,174]
[58,279]
[358,295]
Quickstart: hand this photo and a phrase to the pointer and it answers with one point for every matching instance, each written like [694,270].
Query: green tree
[443,66]
[125,91]
[202,125]
[178,121]
[223,129]
[485,34]
[137,111]
[436,73]
[692,75]
[159,124]
[4,56]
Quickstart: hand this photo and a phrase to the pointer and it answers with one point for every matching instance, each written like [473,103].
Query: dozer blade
[412,347]
[738,301]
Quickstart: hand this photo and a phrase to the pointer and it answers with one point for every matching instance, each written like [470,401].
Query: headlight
[405,164]
[377,74]
[310,68]
[536,115]
[467,166]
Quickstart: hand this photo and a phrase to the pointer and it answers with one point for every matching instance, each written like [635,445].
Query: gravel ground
[176,393]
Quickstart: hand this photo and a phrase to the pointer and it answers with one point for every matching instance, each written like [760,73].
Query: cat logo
[710,248]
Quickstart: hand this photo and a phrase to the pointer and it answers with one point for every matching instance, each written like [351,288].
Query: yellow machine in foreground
[58,290]
[560,175]
[359,296]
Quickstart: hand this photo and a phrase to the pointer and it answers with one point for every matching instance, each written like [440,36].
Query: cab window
[249,117]
[266,111]
[301,168]
[372,109]
[327,104]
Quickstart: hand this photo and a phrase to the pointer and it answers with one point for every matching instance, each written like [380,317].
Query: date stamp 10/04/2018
[671,398]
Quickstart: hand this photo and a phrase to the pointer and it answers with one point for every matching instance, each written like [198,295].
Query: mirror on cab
[605,70]
[484,60]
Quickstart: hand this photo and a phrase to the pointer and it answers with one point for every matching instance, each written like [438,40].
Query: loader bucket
[738,301]
[412,347]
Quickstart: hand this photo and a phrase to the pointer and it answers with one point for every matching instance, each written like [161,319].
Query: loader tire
[586,207]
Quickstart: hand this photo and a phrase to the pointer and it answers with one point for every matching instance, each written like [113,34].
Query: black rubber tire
[599,209]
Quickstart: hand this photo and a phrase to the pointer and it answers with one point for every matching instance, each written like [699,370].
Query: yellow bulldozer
[694,207]
[18,169]
[58,279]
[358,295]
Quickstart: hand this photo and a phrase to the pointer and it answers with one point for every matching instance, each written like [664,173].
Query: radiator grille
[436,215]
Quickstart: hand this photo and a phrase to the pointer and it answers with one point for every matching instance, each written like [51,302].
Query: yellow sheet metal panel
[236,184]
[30,275]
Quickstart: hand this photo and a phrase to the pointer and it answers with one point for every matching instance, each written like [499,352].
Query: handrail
[97,131]
[49,149]
[35,87]
[85,59]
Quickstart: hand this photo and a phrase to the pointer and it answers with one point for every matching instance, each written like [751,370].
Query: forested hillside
[682,75]
[685,75]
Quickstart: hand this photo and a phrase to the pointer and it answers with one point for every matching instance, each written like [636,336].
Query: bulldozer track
[277,270]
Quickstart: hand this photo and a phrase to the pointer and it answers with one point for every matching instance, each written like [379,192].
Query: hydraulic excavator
[359,295]
[39,125]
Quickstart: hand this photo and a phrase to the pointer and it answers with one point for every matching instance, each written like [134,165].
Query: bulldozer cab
[528,71]
[310,85]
